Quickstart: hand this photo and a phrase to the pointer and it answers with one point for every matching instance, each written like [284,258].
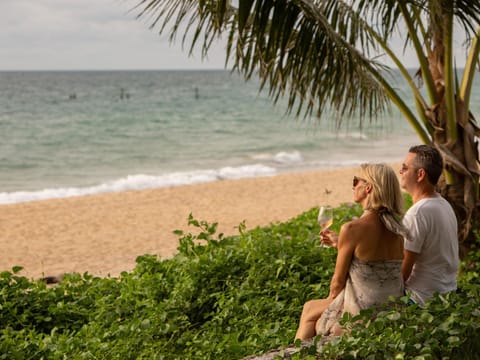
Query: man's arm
[409,259]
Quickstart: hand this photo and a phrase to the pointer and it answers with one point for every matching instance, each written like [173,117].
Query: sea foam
[282,157]
[142,181]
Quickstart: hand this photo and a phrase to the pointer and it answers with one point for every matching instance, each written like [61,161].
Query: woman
[370,253]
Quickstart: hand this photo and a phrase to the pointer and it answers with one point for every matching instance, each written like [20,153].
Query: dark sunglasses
[356,180]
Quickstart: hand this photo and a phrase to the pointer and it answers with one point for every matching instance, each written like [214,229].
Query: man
[431,259]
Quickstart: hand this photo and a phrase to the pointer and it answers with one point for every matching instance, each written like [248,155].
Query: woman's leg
[312,310]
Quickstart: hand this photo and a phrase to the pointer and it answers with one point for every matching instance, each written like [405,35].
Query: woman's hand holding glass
[328,238]
[325,220]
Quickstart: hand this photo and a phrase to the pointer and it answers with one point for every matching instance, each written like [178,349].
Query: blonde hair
[386,191]
[386,197]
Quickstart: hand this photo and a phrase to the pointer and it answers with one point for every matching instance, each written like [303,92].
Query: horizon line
[126,69]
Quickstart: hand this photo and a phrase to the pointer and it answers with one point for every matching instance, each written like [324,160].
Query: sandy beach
[103,234]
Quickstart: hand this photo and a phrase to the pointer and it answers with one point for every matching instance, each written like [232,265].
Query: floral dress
[368,283]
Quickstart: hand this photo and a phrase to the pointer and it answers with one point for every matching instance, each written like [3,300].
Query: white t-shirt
[432,226]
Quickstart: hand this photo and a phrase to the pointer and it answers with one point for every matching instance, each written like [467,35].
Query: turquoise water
[75,133]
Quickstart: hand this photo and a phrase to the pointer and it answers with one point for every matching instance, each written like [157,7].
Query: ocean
[86,132]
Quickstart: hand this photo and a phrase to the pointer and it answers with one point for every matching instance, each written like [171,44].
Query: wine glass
[325,219]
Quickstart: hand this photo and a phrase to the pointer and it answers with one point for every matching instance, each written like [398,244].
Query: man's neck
[423,193]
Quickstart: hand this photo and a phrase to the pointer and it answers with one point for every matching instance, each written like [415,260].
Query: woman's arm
[346,247]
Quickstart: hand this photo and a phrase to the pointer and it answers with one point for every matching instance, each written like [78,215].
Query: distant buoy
[124,94]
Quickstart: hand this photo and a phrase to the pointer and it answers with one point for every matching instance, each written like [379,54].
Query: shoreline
[102,234]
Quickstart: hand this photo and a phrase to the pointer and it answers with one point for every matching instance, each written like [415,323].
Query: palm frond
[319,54]
[467,13]
[313,52]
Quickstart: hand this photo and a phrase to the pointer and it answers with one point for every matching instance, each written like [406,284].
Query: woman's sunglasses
[356,180]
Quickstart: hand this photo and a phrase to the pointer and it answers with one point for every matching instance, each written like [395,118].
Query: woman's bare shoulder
[352,228]
[355,224]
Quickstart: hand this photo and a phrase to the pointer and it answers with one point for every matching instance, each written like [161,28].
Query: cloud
[87,34]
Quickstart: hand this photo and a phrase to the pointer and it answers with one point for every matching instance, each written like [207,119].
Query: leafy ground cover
[226,298]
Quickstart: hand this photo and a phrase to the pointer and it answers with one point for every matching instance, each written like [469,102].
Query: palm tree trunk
[461,187]
[454,128]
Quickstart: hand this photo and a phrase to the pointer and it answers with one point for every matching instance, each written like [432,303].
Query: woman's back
[374,241]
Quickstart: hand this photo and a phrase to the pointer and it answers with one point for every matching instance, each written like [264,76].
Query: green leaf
[426,317]
[17,269]
[453,340]
[394,316]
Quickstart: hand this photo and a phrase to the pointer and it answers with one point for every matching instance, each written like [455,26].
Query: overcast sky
[89,35]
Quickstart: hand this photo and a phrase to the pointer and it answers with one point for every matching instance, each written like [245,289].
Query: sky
[88,35]
[92,35]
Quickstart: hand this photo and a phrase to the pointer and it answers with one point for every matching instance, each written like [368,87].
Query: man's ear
[421,174]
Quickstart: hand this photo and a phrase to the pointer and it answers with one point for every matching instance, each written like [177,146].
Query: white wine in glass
[325,217]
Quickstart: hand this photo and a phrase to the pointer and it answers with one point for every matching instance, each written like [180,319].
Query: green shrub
[224,298]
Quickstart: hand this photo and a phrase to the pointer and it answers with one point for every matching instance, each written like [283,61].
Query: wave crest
[140,182]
